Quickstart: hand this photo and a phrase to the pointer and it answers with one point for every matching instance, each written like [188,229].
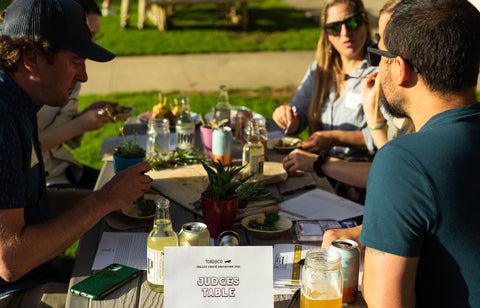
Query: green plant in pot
[128,153]
[220,200]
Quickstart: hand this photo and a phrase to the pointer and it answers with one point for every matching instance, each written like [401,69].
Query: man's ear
[405,72]
[30,59]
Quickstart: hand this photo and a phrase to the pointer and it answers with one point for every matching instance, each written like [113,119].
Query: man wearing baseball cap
[43,47]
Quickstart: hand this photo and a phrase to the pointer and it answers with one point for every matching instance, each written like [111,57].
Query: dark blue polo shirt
[22,176]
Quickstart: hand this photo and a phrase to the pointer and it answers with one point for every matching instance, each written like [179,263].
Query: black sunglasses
[375,55]
[352,23]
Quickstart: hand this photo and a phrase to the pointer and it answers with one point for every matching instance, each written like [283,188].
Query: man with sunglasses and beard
[421,211]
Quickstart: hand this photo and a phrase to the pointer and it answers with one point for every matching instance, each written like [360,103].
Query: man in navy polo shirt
[43,47]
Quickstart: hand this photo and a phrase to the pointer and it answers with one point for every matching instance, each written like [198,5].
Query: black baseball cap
[59,22]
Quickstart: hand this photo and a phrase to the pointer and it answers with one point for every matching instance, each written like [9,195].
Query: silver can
[228,238]
[348,249]
[194,234]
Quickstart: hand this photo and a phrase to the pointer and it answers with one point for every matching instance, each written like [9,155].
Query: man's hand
[126,186]
[336,234]
[319,141]
[299,160]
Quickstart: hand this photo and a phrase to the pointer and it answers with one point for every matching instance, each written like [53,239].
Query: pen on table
[294,300]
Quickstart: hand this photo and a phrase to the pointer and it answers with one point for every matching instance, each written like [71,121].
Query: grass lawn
[273,26]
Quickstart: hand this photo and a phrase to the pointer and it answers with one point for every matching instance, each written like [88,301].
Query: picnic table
[159,10]
[136,293]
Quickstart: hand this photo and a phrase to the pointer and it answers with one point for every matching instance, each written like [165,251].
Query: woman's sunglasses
[352,23]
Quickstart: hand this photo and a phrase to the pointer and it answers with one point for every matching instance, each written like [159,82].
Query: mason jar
[158,138]
[322,283]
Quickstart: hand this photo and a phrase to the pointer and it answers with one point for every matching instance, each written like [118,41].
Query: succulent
[221,180]
[126,149]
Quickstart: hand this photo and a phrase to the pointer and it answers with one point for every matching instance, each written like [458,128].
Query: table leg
[125,13]
[142,9]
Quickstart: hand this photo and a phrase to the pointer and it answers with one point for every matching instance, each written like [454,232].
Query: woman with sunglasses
[328,101]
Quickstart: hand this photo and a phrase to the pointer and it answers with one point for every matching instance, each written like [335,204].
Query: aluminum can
[348,249]
[228,238]
[194,234]
[222,145]
[241,119]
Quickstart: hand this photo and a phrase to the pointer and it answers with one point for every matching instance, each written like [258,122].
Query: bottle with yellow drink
[322,283]
[161,235]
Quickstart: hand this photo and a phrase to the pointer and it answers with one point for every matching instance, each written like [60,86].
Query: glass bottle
[222,108]
[158,138]
[263,133]
[161,235]
[185,127]
[322,282]
[253,153]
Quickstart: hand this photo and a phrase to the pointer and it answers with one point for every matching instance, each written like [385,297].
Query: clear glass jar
[158,138]
[322,282]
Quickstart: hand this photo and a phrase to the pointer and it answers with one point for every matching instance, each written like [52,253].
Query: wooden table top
[136,293]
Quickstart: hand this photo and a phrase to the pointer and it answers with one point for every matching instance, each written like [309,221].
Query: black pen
[294,300]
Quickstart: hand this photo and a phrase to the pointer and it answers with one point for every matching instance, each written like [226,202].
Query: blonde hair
[329,64]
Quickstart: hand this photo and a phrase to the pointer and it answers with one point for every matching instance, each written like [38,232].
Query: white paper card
[319,204]
[218,277]
[127,248]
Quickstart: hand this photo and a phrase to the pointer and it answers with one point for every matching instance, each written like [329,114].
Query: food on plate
[116,110]
[288,143]
[164,111]
[146,208]
[265,222]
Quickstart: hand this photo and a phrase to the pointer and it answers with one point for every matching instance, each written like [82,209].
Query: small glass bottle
[185,127]
[162,235]
[322,283]
[253,153]
[158,138]
[222,108]
[263,133]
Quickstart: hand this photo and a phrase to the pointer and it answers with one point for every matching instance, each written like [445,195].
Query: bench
[159,10]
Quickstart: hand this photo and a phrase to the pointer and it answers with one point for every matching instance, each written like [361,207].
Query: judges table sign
[218,277]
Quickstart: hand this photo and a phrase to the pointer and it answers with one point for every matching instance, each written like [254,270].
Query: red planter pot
[219,214]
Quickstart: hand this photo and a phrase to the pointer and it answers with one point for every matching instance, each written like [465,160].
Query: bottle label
[185,137]
[155,266]
[256,165]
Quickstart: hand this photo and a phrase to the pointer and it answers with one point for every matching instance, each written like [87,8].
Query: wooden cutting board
[185,184]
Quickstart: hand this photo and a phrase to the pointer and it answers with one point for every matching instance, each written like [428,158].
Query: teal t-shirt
[423,197]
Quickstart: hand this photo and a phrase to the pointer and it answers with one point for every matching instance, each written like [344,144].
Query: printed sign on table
[218,277]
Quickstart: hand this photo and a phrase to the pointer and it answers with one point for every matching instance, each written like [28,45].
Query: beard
[394,110]
[395,105]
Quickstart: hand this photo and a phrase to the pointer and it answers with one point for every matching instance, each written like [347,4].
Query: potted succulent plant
[220,200]
[128,153]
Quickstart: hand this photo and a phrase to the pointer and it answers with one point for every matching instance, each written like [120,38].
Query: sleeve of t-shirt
[399,207]
[304,95]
